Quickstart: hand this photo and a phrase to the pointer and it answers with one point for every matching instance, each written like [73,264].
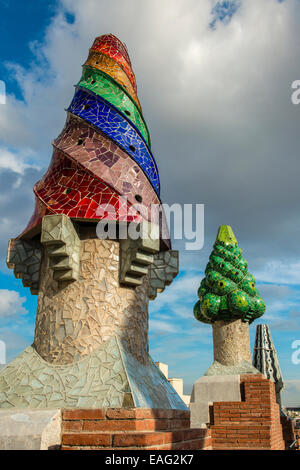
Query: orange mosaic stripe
[110,67]
[116,55]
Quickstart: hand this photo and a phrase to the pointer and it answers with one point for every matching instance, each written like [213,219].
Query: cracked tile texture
[109,377]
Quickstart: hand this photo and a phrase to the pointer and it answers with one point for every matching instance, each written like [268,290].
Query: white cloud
[217,102]
[162,326]
[291,393]
[182,290]
[280,272]
[223,129]
[11,304]
[14,161]
[2,92]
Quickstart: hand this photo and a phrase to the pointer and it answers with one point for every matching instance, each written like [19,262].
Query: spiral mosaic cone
[228,290]
[91,345]
[103,155]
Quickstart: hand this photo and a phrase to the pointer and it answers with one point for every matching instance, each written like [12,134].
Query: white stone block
[164,368]
[177,384]
[23,429]
[209,389]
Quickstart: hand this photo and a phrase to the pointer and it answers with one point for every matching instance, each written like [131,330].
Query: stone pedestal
[134,429]
[231,342]
[207,390]
[75,318]
[90,346]
[251,424]
[221,382]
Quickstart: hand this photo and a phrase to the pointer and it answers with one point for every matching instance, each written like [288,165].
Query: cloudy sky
[214,80]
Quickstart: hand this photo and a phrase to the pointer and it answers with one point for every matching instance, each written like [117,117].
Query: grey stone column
[231,342]
[74,318]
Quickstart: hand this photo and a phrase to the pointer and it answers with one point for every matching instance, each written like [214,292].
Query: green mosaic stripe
[101,84]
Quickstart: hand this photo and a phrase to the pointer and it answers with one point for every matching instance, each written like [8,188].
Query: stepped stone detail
[24,257]
[75,318]
[62,244]
[250,424]
[91,347]
[137,255]
[162,271]
[134,429]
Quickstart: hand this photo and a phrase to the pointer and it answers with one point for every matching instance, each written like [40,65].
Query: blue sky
[224,132]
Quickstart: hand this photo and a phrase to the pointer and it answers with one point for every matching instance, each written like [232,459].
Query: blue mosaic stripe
[107,119]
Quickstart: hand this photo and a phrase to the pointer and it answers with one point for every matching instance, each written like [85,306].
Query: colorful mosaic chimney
[90,346]
[102,157]
[229,300]
[265,358]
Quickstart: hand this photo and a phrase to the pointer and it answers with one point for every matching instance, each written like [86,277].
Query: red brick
[178,423]
[191,434]
[72,426]
[157,424]
[86,439]
[111,425]
[175,436]
[122,413]
[69,448]
[137,439]
[83,414]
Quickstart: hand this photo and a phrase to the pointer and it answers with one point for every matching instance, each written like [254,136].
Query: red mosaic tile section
[103,159]
[114,52]
[68,189]
[133,428]
[251,424]
[112,40]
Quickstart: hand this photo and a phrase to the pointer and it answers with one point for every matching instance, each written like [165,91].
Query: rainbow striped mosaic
[103,154]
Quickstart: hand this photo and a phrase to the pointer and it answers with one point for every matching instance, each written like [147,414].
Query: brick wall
[131,429]
[290,432]
[253,423]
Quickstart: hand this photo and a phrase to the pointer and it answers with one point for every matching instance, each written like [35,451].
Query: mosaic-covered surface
[101,84]
[113,51]
[109,377]
[110,67]
[137,255]
[112,40]
[228,291]
[73,319]
[162,271]
[149,386]
[237,369]
[62,245]
[67,189]
[105,160]
[102,115]
[84,312]
[96,381]
[24,257]
[265,358]
[102,155]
